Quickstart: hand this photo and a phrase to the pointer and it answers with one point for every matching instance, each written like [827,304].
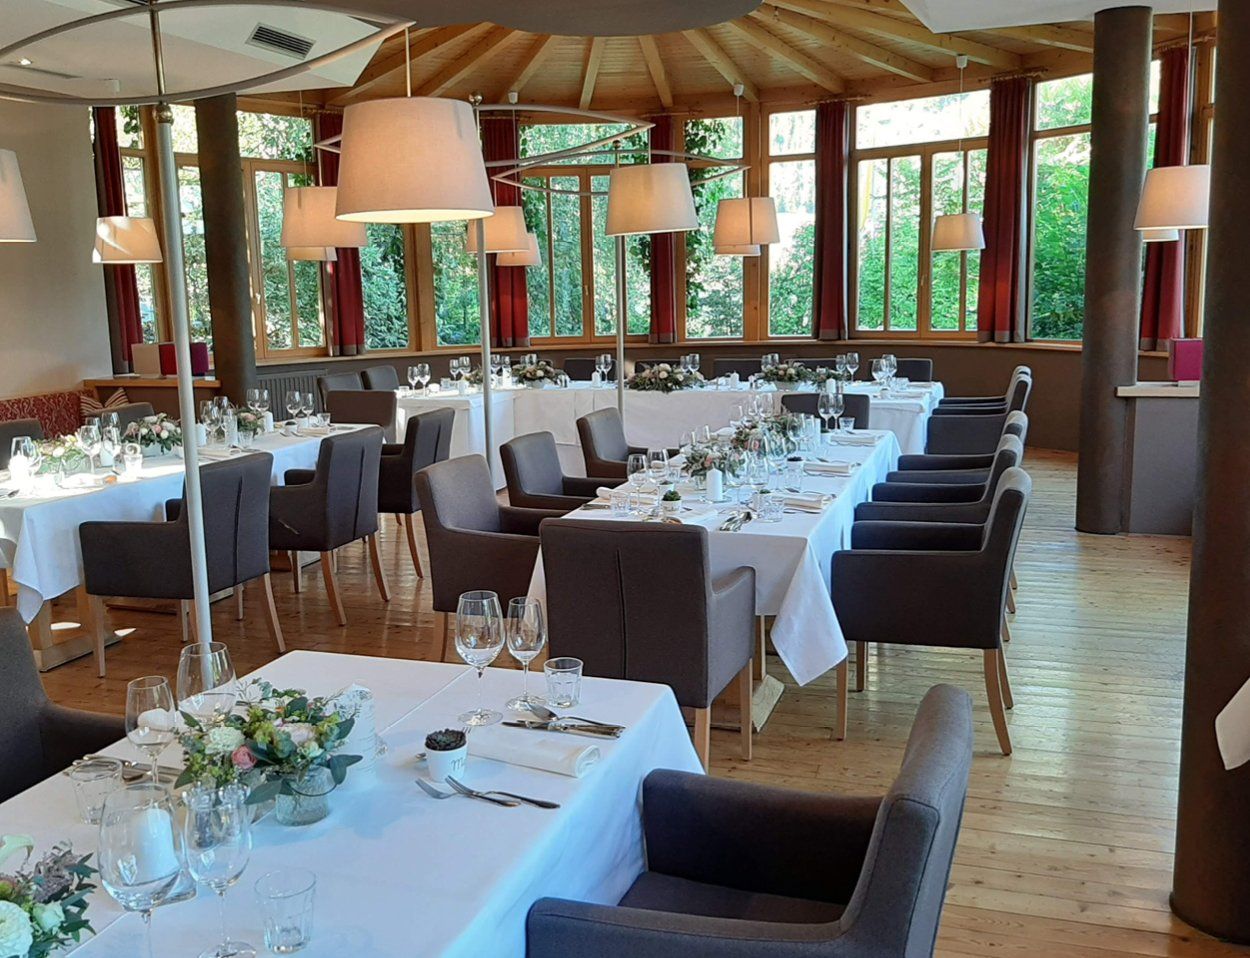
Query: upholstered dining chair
[1015,424]
[745,368]
[131,412]
[12,430]
[914,368]
[604,447]
[375,407]
[582,369]
[333,382]
[642,365]
[1016,374]
[973,427]
[152,560]
[887,586]
[855,406]
[1015,397]
[427,440]
[736,869]
[37,737]
[609,604]
[531,465]
[323,509]
[380,377]
[475,543]
[964,470]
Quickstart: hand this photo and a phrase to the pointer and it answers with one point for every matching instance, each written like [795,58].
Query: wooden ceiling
[786,51]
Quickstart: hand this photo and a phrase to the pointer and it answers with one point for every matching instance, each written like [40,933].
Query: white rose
[311,749]
[301,733]
[48,917]
[222,740]
[16,934]
[662,374]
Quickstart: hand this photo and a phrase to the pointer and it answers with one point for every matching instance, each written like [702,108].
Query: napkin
[645,498]
[806,501]
[836,468]
[855,439]
[545,751]
[316,430]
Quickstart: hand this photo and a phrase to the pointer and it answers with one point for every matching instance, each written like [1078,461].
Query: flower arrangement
[42,909]
[249,423]
[274,737]
[791,373]
[702,458]
[538,373]
[155,432]
[663,377]
[474,377]
[753,435]
[61,453]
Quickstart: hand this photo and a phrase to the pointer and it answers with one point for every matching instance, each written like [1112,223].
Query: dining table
[398,873]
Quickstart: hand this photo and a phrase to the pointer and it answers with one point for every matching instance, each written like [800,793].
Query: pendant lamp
[15,222]
[1175,198]
[505,232]
[958,232]
[529,257]
[1160,236]
[309,227]
[743,224]
[122,240]
[316,254]
[650,198]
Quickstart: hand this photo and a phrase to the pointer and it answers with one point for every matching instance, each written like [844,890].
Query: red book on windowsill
[1185,360]
[199,359]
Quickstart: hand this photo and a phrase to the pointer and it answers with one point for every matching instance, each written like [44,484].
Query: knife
[590,731]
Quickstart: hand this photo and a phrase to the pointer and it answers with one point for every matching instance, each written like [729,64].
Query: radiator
[279,384]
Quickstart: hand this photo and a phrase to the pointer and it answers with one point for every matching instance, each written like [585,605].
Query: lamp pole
[620,326]
[483,296]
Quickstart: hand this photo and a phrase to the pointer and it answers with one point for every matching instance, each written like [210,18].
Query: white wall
[53,318]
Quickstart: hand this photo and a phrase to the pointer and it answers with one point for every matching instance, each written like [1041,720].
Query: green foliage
[1059,219]
[445,740]
[456,310]
[714,286]
[384,281]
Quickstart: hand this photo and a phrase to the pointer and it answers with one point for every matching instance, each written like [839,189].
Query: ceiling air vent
[289,44]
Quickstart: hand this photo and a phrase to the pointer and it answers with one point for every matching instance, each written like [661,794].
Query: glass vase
[306,799]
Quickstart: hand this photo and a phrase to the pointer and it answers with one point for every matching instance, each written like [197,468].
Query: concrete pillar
[225,244]
[1211,879]
[1113,277]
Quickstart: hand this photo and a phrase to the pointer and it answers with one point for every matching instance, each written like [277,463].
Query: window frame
[765,161]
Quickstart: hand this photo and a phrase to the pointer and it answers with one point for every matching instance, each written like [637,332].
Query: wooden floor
[1066,847]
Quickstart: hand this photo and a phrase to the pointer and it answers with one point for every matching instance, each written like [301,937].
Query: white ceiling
[948,16]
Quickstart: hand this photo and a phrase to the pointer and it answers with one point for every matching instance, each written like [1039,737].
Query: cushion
[656,892]
[89,406]
[58,413]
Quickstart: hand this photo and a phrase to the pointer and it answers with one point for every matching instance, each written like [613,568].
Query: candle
[715,485]
[596,378]
[155,855]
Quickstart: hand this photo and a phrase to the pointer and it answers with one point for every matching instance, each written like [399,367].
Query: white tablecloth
[468,432]
[39,534]
[792,560]
[400,875]
[905,414]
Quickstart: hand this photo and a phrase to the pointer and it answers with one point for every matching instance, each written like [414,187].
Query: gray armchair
[953,485]
[374,407]
[337,381]
[607,606]
[323,509]
[887,587]
[1016,375]
[474,542]
[737,870]
[745,368]
[427,440]
[37,737]
[152,560]
[1015,398]
[917,370]
[1016,424]
[380,377]
[11,430]
[535,480]
[855,406]
[972,427]
[604,447]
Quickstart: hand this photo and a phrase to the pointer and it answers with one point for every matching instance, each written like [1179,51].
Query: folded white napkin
[646,498]
[316,430]
[806,501]
[545,751]
[855,439]
[836,468]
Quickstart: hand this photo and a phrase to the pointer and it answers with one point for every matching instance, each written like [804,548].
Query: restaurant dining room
[624,478]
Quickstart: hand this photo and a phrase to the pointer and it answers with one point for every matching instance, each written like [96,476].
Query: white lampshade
[308,221]
[411,160]
[504,231]
[745,222]
[15,222]
[530,257]
[957,232]
[317,254]
[126,239]
[650,198]
[1175,198]
[732,250]
[1160,236]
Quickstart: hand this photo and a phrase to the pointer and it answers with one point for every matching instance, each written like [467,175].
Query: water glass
[90,440]
[657,465]
[132,460]
[622,504]
[479,640]
[423,376]
[769,506]
[217,837]
[526,633]
[636,469]
[794,475]
[286,901]
[94,779]
[847,424]
[564,682]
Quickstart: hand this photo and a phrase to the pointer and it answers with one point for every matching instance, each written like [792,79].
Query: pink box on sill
[199,359]
[1185,360]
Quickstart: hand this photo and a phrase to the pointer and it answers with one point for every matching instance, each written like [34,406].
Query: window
[714,284]
[135,184]
[458,317]
[792,184]
[384,282]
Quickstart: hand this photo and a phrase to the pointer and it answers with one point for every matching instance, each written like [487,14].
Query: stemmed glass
[657,464]
[479,639]
[258,401]
[89,439]
[526,635]
[150,717]
[307,403]
[217,836]
[24,460]
[423,377]
[852,363]
[603,363]
[756,472]
[111,442]
[840,365]
[412,378]
[636,469]
[140,853]
[207,690]
[294,401]
[880,373]
[694,362]
[830,405]
[110,420]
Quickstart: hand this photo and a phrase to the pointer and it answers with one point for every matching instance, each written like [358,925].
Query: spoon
[546,715]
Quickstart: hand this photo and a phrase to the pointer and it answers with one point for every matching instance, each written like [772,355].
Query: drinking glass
[217,837]
[24,461]
[423,377]
[694,362]
[657,465]
[140,851]
[757,472]
[852,363]
[111,443]
[736,415]
[132,459]
[89,439]
[830,406]
[253,400]
[526,636]
[479,639]
[622,504]
[94,780]
[840,365]
[150,717]
[879,373]
[636,469]
[412,378]
[891,362]
[307,403]
[294,401]
[286,899]
[564,682]
[847,424]
[207,689]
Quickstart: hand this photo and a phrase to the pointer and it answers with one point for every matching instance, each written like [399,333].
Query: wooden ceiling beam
[829,36]
[462,66]
[768,42]
[382,73]
[1063,37]
[594,59]
[906,30]
[655,66]
[530,62]
[721,62]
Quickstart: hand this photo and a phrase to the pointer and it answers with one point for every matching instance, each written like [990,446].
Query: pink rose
[243,758]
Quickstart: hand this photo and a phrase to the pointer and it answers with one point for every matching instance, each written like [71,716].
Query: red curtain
[1000,308]
[1162,313]
[663,252]
[829,312]
[347,296]
[509,294]
[111,201]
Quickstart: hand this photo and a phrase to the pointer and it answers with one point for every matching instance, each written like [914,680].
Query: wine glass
[111,442]
[526,633]
[636,469]
[89,439]
[735,463]
[217,837]
[307,403]
[140,853]
[110,420]
[258,401]
[294,400]
[479,639]
[412,378]
[151,722]
[423,376]
[830,406]
[24,460]
[879,373]
[206,682]
[756,472]
[694,362]
[852,363]
[657,464]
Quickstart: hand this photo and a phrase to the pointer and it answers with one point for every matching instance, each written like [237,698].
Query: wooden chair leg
[1015,583]
[271,613]
[375,558]
[332,586]
[4,588]
[99,629]
[1005,682]
[745,690]
[410,529]
[1011,601]
[1006,632]
[839,722]
[296,578]
[761,661]
[703,735]
[993,688]
[446,636]
[861,665]
[238,602]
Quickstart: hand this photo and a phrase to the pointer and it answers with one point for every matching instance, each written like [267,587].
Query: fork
[465,790]
[436,793]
